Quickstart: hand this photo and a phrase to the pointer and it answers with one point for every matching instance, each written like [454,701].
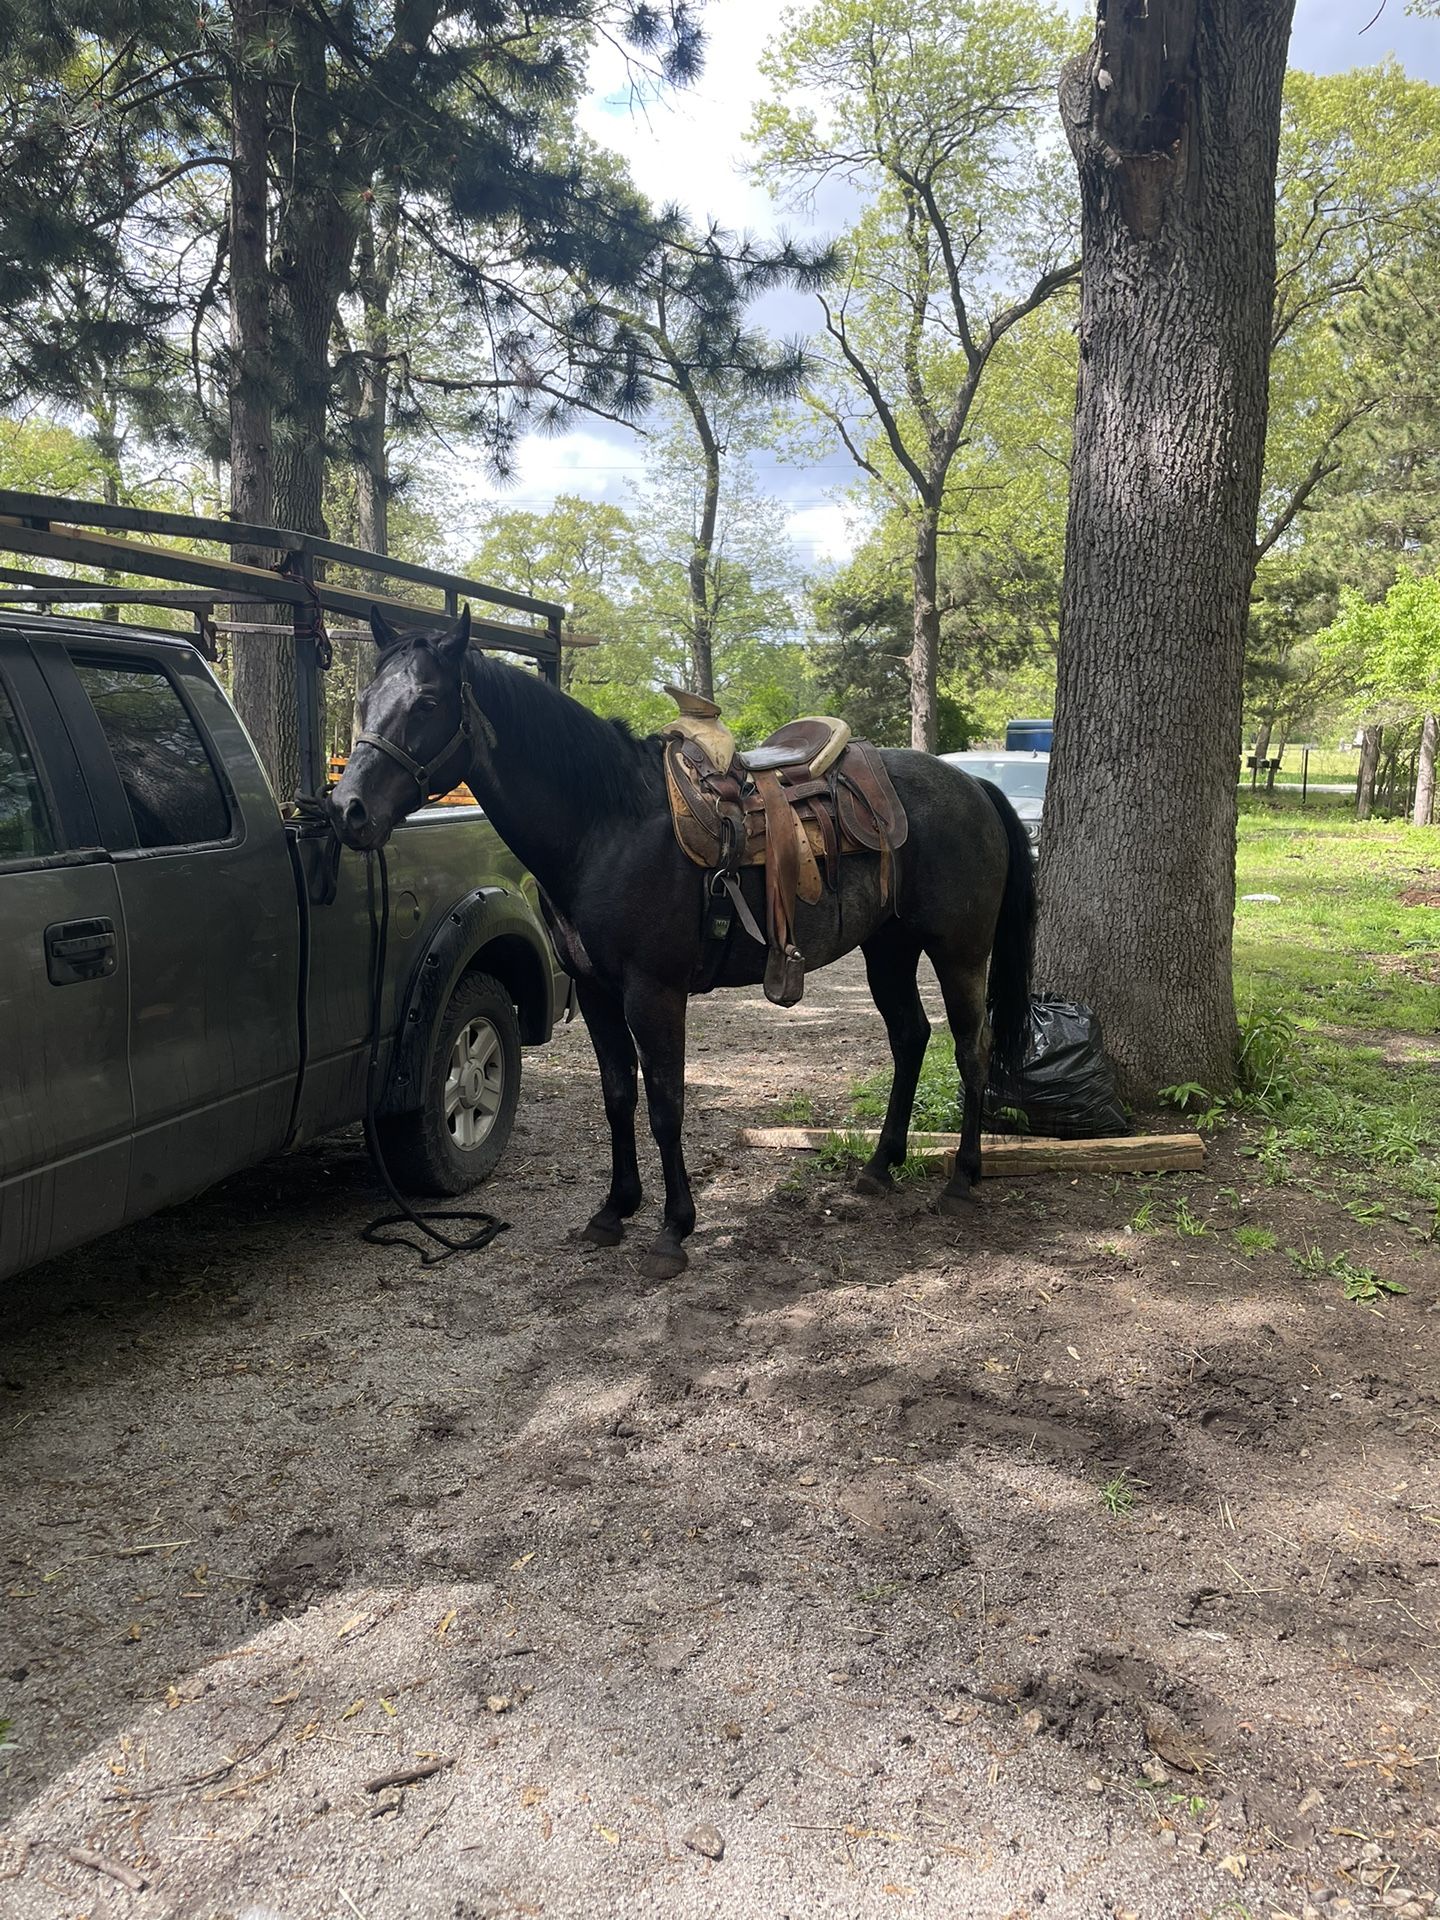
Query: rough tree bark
[262,677]
[925,648]
[1173,116]
[1425,771]
[322,175]
[316,230]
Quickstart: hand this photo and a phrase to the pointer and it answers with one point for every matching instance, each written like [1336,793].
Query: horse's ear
[383,633]
[455,643]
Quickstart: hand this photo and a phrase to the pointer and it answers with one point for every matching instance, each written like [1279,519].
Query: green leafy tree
[1291,686]
[40,456]
[586,554]
[1357,206]
[1351,493]
[719,580]
[1001,544]
[1392,650]
[940,120]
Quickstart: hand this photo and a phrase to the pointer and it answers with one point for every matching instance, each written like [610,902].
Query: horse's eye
[425,704]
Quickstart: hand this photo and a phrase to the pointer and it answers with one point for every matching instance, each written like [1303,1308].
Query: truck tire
[472,1087]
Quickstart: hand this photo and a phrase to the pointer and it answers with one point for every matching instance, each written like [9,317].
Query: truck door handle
[78,950]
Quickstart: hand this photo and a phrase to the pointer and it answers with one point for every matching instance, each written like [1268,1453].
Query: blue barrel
[1028,736]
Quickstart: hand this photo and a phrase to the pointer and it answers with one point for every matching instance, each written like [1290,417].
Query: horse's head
[416,728]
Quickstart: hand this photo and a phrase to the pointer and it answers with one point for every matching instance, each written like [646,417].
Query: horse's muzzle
[354,823]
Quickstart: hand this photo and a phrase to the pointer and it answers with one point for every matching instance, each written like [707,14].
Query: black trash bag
[1066,1089]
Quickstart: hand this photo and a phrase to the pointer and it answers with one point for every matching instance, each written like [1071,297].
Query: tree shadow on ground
[841,1488]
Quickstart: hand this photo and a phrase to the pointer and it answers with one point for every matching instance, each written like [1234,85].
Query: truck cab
[186,975]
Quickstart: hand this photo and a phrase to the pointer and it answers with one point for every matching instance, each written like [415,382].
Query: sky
[688,146]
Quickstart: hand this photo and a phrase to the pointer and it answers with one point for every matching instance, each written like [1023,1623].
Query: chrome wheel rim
[474,1083]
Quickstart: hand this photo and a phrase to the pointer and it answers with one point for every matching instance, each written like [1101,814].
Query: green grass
[1360,1284]
[937,1098]
[846,1153]
[795,1110]
[1341,958]
[1117,1496]
[1254,1240]
[1328,764]
[1339,914]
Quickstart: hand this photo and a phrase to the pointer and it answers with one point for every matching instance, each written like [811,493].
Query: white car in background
[1020,777]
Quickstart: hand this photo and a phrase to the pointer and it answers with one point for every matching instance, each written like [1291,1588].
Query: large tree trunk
[316,226]
[262,673]
[1425,772]
[307,296]
[925,644]
[1173,116]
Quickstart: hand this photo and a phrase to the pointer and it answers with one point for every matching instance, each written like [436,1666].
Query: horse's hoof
[664,1261]
[958,1205]
[869,1181]
[601,1233]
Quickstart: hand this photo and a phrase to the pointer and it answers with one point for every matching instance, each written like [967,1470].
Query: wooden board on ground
[1017,1153]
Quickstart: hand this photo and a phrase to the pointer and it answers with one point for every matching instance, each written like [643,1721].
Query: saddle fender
[521,961]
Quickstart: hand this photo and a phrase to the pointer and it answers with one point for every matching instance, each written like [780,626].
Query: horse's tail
[1008,992]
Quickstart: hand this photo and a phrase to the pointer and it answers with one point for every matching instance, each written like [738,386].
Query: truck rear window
[175,798]
[24,823]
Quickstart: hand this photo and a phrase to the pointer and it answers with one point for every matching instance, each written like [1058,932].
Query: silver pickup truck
[186,978]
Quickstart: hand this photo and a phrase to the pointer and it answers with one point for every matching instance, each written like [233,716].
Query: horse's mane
[601,760]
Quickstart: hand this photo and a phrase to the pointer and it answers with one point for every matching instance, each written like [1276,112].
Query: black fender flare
[489,917]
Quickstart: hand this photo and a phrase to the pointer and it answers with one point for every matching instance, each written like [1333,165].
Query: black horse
[582,802]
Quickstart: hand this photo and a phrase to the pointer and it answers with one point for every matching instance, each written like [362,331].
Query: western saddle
[793,805]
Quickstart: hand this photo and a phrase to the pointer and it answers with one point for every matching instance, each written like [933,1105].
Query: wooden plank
[164,563]
[1016,1153]
[235,533]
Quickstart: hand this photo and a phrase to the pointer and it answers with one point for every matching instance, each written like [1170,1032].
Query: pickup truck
[186,977]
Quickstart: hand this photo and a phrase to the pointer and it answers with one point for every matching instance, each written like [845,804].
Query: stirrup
[785,976]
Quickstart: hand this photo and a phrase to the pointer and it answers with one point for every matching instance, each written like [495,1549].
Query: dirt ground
[785,1589]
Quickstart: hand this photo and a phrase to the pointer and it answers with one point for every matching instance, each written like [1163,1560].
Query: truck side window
[175,798]
[25,832]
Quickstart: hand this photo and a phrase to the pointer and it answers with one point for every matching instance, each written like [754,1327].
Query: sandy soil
[786,1589]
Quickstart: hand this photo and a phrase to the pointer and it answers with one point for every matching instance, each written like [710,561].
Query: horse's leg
[963,985]
[615,1051]
[656,1016]
[891,957]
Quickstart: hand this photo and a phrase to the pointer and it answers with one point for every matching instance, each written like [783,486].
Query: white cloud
[594,463]
[686,144]
[822,535]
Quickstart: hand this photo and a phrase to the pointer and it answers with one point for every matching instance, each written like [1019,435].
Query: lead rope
[445,1248]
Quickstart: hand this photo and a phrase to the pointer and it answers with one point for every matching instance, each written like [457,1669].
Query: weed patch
[1117,1496]
[1253,1240]
[1360,1284]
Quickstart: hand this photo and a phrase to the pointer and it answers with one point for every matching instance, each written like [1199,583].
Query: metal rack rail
[122,541]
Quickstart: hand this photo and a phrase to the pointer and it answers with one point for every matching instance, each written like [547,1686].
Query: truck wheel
[471,1091]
